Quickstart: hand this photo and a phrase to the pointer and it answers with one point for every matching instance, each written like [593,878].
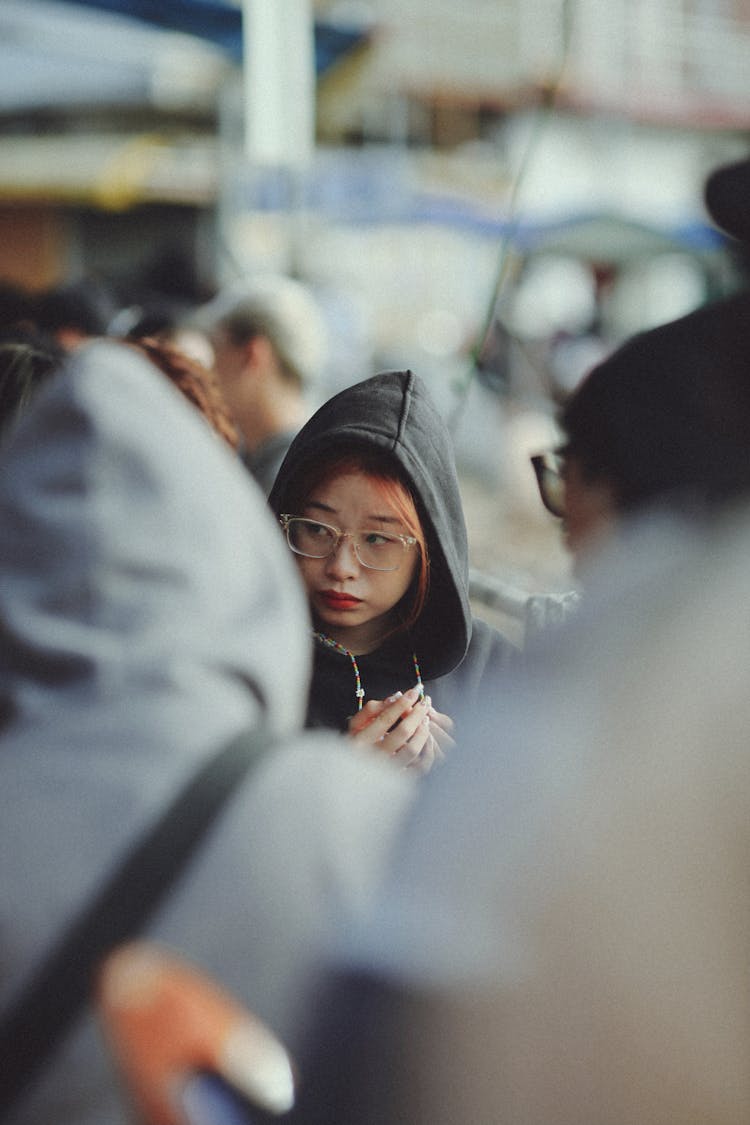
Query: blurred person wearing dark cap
[663,422]
[662,425]
[578,954]
[665,418]
[270,344]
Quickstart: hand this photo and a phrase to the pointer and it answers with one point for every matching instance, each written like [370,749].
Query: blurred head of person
[270,345]
[17,309]
[75,311]
[137,533]
[663,422]
[197,383]
[167,322]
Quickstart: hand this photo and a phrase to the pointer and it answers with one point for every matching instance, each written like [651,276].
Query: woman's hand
[441,729]
[405,727]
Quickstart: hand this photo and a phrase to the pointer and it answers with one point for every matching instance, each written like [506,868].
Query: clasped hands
[406,727]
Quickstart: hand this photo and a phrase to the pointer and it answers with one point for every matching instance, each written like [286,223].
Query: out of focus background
[493,193]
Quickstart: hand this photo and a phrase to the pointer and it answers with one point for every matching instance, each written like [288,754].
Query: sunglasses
[548,469]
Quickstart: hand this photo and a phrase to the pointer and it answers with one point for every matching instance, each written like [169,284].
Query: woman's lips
[339,601]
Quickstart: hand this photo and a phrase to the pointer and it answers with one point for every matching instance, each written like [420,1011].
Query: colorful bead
[359,690]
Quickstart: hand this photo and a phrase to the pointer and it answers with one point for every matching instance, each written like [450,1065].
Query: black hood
[393,413]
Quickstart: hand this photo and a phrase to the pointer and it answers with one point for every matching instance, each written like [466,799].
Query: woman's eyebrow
[320,506]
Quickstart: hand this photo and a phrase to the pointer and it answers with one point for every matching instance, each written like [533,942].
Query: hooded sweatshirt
[149,612]
[458,656]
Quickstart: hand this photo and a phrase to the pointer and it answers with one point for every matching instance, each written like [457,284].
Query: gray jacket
[148,612]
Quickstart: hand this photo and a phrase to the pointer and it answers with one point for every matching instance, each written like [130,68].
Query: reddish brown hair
[196,382]
[385,476]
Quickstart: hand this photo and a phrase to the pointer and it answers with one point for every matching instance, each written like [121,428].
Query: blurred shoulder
[489,646]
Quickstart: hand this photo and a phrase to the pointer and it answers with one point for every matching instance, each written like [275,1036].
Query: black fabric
[391,668]
[332,693]
[60,989]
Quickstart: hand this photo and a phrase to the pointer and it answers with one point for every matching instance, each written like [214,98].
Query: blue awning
[221,24]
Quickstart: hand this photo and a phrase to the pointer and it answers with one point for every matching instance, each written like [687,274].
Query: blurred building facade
[666,61]
[500,189]
[105,113]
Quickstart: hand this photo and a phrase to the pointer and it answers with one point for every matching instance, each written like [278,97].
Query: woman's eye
[376,539]
[318,530]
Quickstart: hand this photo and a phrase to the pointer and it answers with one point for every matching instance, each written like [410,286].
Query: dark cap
[727,198]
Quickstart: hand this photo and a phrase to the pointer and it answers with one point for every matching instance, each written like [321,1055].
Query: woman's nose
[343,560]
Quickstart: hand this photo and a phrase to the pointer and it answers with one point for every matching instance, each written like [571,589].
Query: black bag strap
[60,989]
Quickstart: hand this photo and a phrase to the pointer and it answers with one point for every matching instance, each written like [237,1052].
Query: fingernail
[259,1066]
[394,697]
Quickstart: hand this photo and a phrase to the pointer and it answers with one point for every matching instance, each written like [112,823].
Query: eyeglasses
[376,550]
[548,468]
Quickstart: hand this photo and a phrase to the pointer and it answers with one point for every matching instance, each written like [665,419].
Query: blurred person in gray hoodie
[588,921]
[579,954]
[149,613]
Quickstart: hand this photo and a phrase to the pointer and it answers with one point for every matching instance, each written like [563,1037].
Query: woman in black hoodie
[368,496]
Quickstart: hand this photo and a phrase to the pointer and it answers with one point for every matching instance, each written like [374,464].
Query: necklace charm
[359,690]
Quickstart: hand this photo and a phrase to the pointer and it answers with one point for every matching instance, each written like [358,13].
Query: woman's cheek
[306,571]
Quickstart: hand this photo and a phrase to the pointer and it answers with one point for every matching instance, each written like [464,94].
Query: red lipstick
[335,600]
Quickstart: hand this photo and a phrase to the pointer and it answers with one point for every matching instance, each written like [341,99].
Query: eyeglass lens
[374,549]
[548,470]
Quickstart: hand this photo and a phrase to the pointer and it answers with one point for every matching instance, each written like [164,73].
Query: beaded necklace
[360,691]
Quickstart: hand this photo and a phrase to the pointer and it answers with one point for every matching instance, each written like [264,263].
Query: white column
[279,70]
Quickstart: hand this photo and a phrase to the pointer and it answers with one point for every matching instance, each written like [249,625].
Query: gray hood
[145,595]
[149,610]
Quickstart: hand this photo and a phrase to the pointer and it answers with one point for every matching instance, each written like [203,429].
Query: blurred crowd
[463,880]
[257,350]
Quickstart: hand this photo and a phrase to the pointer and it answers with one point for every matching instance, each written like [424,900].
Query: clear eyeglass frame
[336,536]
